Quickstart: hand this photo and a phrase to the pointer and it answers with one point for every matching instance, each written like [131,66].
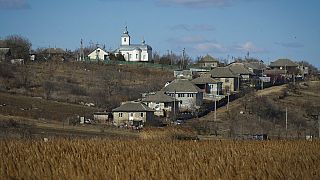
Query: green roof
[133,107]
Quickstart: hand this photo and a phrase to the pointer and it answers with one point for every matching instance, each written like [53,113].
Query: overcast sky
[268,29]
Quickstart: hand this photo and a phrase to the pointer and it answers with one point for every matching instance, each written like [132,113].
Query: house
[183,74]
[5,54]
[132,114]
[134,52]
[189,95]
[230,81]
[51,53]
[164,105]
[256,67]
[98,54]
[208,62]
[209,86]
[101,117]
[241,70]
[277,76]
[17,61]
[289,66]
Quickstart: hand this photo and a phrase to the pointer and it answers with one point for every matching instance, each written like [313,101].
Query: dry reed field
[162,159]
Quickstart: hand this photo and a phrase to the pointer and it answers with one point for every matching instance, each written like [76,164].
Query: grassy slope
[251,123]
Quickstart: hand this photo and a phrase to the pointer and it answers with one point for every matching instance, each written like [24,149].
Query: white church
[134,52]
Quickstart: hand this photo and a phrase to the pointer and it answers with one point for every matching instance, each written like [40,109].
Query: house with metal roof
[189,95]
[208,62]
[209,86]
[134,52]
[231,81]
[163,104]
[132,114]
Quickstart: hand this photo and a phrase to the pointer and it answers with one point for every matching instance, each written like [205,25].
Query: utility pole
[262,81]
[174,106]
[286,121]
[228,100]
[171,58]
[215,108]
[319,124]
[81,58]
[183,53]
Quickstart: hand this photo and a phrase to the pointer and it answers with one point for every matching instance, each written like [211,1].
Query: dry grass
[148,159]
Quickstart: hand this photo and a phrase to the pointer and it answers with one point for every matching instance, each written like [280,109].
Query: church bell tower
[125,38]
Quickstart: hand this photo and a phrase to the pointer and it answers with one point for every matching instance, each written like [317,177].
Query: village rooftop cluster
[205,80]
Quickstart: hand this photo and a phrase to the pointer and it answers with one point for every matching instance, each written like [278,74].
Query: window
[130,55]
[125,39]
[141,114]
[144,56]
[120,114]
[136,56]
[180,95]
[131,114]
[226,80]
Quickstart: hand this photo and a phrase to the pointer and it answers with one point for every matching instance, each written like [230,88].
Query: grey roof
[181,85]
[54,51]
[133,107]
[204,80]
[159,97]
[132,47]
[255,65]
[239,68]
[283,62]
[97,49]
[222,72]
[4,50]
[208,58]
[274,71]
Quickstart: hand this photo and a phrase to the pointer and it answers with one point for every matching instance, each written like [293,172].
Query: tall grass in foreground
[163,159]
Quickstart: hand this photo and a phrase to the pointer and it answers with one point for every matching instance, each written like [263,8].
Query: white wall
[98,52]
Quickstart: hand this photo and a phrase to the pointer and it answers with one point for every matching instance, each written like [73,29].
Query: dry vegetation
[149,159]
[74,82]
[264,112]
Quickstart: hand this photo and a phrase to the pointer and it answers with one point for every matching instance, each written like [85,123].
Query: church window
[125,39]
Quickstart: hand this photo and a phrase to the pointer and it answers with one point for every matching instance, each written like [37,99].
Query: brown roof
[181,85]
[204,80]
[222,72]
[282,63]
[159,97]
[133,107]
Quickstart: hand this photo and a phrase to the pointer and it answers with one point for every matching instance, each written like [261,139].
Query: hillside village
[185,91]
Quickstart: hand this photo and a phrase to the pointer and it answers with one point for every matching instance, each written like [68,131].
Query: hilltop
[97,84]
